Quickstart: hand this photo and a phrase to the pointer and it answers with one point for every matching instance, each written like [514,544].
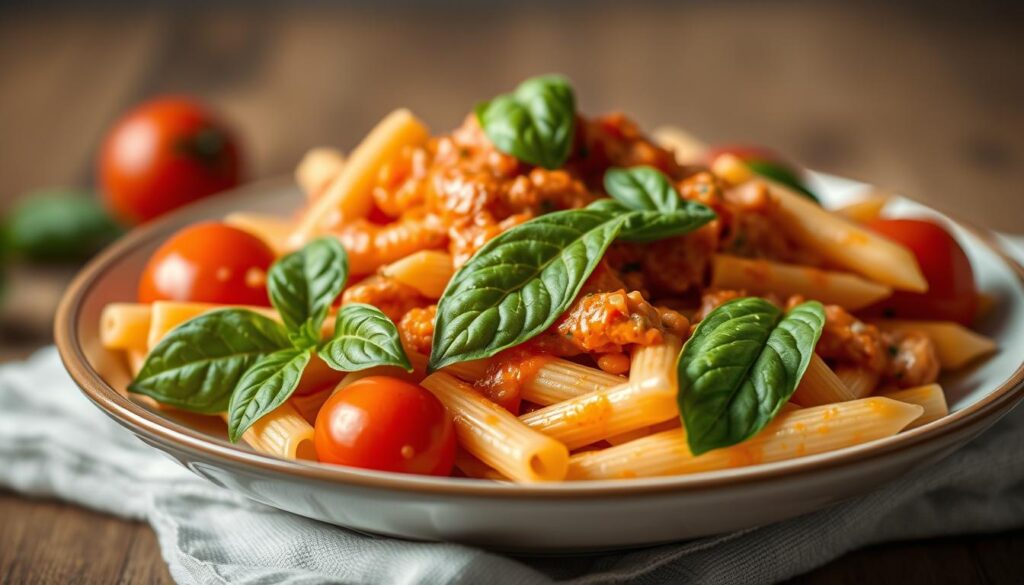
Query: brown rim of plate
[154,427]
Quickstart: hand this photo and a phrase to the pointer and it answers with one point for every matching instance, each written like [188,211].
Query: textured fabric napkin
[54,443]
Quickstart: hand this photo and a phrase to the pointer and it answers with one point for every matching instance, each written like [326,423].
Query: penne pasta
[557,380]
[318,167]
[427,271]
[271,229]
[955,345]
[820,385]
[136,359]
[859,381]
[836,238]
[796,433]
[496,437]
[866,209]
[595,416]
[348,196]
[125,326]
[472,467]
[687,147]
[766,277]
[930,397]
[283,433]
[166,315]
[653,367]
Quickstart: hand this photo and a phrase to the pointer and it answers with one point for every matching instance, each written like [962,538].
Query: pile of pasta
[586,423]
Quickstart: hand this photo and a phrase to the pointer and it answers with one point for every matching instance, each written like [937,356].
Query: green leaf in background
[519,283]
[59,226]
[642,189]
[304,284]
[264,387]
[740,367]
[198,364]
[780,174]
[364,337]
[535,123]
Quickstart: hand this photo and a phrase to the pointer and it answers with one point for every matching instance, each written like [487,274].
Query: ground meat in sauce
[416,328]
[913,361]
[393,298]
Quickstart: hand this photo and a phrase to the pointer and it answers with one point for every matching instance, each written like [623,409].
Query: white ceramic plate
[557,517]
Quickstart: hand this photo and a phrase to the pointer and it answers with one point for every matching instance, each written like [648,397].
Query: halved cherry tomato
[951,295]
[208,263]
[164,154]
[388,424]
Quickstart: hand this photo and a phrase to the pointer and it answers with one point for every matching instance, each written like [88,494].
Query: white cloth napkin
[54,443]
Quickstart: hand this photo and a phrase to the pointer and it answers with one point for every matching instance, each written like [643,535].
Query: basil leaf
[264,387]
[642,189]
[364,337]
[304,284]
[197,365]
[782,175]
[649,226]
[517,284]
[535,123]
[740,367]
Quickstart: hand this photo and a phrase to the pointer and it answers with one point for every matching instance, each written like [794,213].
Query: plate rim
[147,423]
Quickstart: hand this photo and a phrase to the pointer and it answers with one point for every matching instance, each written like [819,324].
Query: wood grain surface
[918,99]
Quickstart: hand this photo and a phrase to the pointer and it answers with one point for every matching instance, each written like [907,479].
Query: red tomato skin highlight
[164,154]
[208,263]
[386,424]
[952,294]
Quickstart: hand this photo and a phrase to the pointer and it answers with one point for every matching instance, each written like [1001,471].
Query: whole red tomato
[208,263]
[388,424]
[951,294]
[164,154]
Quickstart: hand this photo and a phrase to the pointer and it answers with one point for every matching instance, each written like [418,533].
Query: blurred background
[922,99]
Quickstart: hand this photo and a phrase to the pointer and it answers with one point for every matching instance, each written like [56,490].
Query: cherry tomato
[951,294]
[208,263]
[388,424]
[164,154]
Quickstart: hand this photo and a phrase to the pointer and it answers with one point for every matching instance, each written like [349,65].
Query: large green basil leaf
[740,367]
[535,123]
[519,283]
[197,365]
[642,189]
[304,284]
[264,387]
[649,226]
[364,337]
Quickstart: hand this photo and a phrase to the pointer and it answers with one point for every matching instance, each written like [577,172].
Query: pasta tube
[427,271]
[763,276]
[859,381]
[866,209]
[283,433]
[166,315]
[597,415]
[820,385]
[349,195]
[472,467]
[557,380]
[308,405]
[687,147]
[318,167]
[796,433]
[838,239]
[125,326]
[930,397]
[488,432]
[955,345]
[272,230]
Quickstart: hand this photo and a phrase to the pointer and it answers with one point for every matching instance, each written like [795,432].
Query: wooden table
[925,102]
